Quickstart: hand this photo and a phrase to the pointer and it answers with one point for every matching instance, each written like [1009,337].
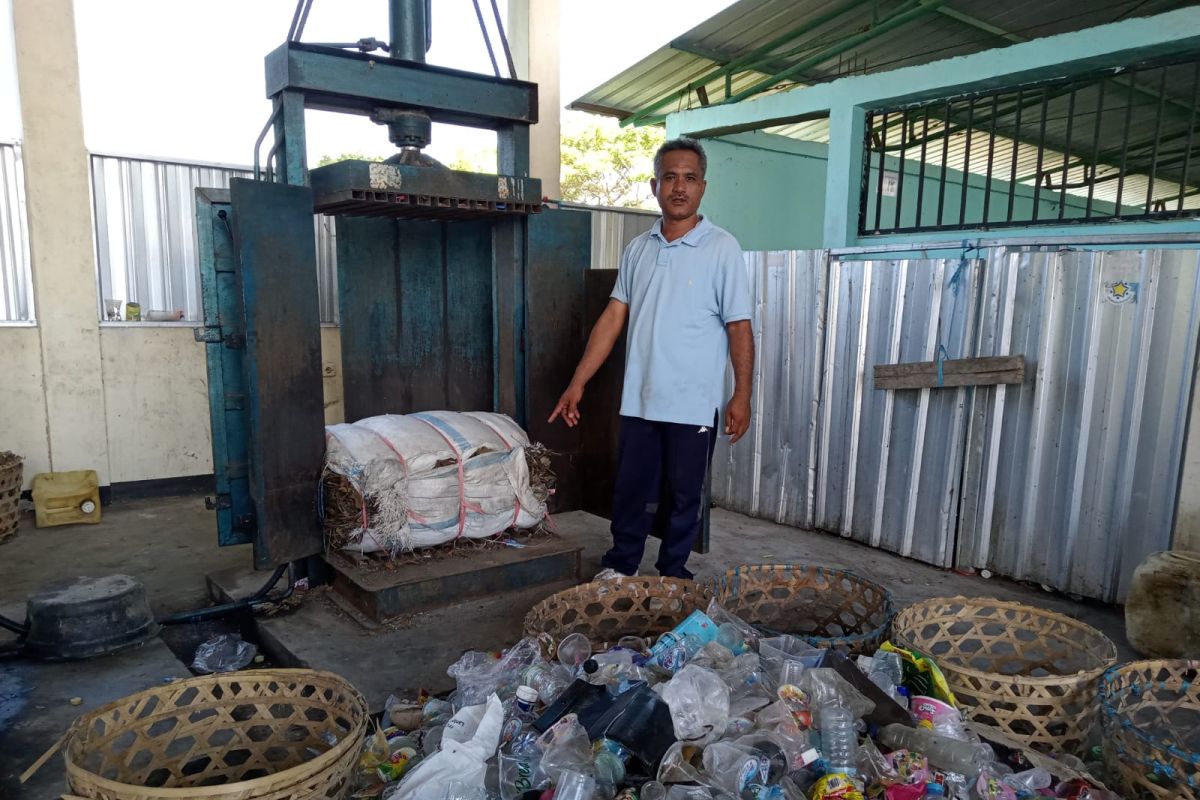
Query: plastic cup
[574,786]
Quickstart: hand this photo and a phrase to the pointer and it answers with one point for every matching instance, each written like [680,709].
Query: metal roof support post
[843,182]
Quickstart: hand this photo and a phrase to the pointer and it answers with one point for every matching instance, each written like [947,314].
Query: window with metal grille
[1118,144]
[146,235]
[16,288]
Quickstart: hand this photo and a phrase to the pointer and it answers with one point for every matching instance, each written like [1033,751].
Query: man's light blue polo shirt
[681,295]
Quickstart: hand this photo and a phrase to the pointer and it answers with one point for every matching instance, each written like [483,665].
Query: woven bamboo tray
[278,734]
[826,607]
[10,494]
[1030,672]
[1151,717]
[604,611]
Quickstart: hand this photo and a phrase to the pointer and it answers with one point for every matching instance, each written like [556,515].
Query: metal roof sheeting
[751,24]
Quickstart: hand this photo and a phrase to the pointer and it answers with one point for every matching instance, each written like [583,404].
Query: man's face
[680,187]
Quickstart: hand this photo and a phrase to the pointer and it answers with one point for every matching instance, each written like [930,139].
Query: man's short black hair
[682,143]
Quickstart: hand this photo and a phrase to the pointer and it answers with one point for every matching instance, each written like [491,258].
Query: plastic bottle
[549,681]
[672,652]
[520,721]
[952,755]
[609,761]
[839,739]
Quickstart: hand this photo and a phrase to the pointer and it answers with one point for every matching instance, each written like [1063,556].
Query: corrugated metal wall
[773,475]
[1072,478]
[146,233]
[1068,480]
[612,230]
[16,295]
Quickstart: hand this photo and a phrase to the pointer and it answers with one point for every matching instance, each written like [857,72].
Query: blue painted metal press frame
[433,289]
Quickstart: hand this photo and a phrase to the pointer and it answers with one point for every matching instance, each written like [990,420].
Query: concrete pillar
[60,234]
[534,32]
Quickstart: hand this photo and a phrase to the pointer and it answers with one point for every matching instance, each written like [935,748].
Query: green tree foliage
[347,157]
[605,164]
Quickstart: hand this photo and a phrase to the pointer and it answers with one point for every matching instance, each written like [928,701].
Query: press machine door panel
[263,339]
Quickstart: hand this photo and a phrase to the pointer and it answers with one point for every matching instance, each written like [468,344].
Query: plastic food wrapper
[921,674]
[565,748]
[824,686]
[989,787]
[465,762]
[699,702]
[941,718]
[912,768]
[225,652]
[836,786]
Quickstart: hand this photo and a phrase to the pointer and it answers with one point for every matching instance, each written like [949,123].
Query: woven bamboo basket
[826,607]
[254,735]
[604,611]
[10,494]
[1151,717]
[1030,672]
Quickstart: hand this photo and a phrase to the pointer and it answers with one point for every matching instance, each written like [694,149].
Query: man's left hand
[737,418]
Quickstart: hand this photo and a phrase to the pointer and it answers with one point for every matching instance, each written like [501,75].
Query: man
[682,286]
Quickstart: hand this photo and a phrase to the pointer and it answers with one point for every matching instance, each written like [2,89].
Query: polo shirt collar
[691,238]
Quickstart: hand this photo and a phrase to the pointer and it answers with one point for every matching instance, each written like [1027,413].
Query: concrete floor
[170,544]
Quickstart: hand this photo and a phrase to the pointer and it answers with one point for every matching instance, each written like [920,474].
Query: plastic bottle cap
[527,694]
[591,666]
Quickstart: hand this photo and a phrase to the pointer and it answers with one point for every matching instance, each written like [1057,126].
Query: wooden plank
[955,372]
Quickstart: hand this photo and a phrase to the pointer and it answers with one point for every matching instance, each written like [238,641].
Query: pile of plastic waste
[713,710]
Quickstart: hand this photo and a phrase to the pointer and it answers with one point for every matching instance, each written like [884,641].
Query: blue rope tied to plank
[955,283]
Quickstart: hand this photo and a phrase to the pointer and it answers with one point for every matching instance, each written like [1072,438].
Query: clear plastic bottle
[951,755]
[839,739]
[520,720]
[549,681]
[1028,783]
[609,762]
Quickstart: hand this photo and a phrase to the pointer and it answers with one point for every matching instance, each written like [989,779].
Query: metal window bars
[1116,144]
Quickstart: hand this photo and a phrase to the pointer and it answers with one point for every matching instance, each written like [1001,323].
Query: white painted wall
[129,402]
[534,28]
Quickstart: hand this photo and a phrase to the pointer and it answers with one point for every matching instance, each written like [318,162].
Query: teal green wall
[769,192]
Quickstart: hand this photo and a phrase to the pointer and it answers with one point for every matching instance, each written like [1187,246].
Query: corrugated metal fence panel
[612,231]
[146,238]
[145,233]
[890,462]
[772,472]
[16,296]
[1072,478]
[327,272]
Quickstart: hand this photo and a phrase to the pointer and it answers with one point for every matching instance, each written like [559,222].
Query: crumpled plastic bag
[699,702]
[465,762]
[225,652]
[479,674]
[565,748]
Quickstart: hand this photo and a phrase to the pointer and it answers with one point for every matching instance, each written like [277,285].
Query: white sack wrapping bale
[432,477]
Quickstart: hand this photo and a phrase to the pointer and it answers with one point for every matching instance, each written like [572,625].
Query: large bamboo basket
[826,607]
[277,734]
[1151,717]
[1030,672]
[604,611]
[10,494]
